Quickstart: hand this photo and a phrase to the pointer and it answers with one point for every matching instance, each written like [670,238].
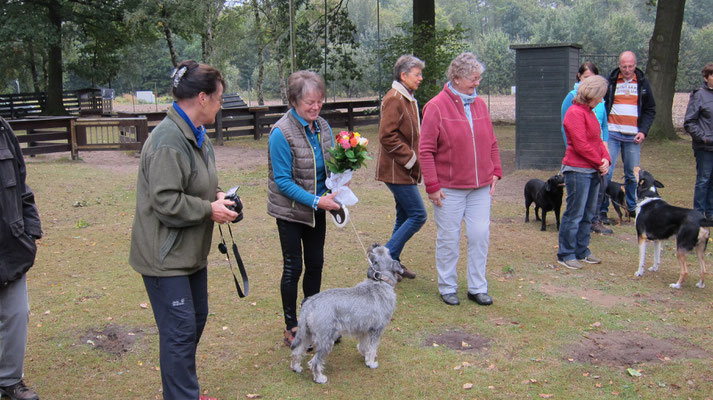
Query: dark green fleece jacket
[177,181]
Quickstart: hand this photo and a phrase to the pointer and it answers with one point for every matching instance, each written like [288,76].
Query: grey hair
[405,63]
[464,65]
[594,87]
[302,82]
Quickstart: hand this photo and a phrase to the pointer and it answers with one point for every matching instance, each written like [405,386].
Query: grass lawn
[551,332]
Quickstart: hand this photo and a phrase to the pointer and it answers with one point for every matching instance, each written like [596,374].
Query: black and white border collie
[657,220]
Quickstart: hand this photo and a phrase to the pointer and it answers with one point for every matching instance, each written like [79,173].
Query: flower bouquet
[348,155]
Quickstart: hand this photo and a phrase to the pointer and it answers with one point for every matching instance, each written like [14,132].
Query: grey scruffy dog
[362,311]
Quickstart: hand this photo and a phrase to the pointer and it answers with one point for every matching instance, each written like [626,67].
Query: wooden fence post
[350,117]
[219,128]
[73,139]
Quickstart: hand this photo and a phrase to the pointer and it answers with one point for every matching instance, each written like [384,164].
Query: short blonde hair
[464,65]
[594,87]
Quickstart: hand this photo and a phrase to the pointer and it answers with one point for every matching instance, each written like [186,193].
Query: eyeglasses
[418,75]
[475,79]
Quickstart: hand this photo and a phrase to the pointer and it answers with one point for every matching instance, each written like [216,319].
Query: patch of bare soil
[595,296]
[623,349]
[457,340]
[113,339]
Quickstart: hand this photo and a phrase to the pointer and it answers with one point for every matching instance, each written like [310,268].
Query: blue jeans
[630,158]
[576,224]
[180,307]
[410,217]
[703,192]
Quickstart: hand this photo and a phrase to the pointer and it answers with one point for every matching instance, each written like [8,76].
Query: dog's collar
[378,276]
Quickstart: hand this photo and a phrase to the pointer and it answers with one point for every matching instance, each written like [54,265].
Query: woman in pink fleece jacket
[460,163]
[585,160]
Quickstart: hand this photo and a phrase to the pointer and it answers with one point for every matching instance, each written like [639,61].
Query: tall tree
[424,25]
[661,68]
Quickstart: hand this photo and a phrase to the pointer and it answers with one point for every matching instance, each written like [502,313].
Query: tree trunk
[169,37]
[424,24]
[55,103]
[32,64]
[662,66]
[281,78]
[260,58]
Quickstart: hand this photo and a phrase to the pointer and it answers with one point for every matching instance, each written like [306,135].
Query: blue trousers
[703,192]
[180,307]
[576,224]
[410,217]
[630,152]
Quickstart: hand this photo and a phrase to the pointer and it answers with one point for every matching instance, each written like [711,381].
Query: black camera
[232,195]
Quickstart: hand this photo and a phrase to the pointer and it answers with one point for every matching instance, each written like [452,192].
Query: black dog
[657,220]
[547,196]
[615,192]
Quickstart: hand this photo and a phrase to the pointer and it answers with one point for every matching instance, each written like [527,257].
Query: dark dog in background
[546,196]
[657,220]
[615,192]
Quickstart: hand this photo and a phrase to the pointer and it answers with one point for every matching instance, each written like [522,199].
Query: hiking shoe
[599,227]
[591,259]
[19,391]
[571,264]
[605,219]
[407,274]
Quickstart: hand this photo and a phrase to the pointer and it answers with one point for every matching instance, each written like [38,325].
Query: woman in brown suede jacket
[397,161]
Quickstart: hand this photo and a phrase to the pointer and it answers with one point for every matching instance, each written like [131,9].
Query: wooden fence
[130,130]
[76,102]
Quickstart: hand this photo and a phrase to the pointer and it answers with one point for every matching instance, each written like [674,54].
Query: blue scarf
[198,132]
[467,99]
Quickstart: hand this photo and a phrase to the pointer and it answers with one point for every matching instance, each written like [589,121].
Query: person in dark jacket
[630,111]
[699,124]
[177,202]
[19,228]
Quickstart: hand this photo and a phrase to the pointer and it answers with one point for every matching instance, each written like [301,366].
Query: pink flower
[344,143]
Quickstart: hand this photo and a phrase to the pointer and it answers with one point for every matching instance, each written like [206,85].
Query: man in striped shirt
[631,110]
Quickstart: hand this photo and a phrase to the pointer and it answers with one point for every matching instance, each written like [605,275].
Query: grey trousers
[473,206]
[14,316]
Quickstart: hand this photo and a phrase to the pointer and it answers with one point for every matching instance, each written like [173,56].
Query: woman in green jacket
[177,202]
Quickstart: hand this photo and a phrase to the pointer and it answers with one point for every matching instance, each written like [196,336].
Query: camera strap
[224,249]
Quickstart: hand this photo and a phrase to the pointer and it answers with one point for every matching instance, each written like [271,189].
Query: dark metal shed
[544,73]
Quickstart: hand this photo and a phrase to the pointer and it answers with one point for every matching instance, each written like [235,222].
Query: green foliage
[439,51]
[499,61]
[696,51]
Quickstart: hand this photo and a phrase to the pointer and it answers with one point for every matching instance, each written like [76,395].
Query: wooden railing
[130,130]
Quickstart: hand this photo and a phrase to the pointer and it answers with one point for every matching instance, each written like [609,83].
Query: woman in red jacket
[460,163]
[585,160]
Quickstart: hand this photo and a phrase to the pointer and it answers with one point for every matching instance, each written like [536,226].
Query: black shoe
[19,391]
[605,219]
[632,213]
[407,274]
[451,299]
[481,298]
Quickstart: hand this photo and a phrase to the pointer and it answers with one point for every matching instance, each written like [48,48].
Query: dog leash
[351,221]
[223,248]
[378,276]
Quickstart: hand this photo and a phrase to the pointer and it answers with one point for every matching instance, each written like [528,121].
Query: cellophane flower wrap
[348,154]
